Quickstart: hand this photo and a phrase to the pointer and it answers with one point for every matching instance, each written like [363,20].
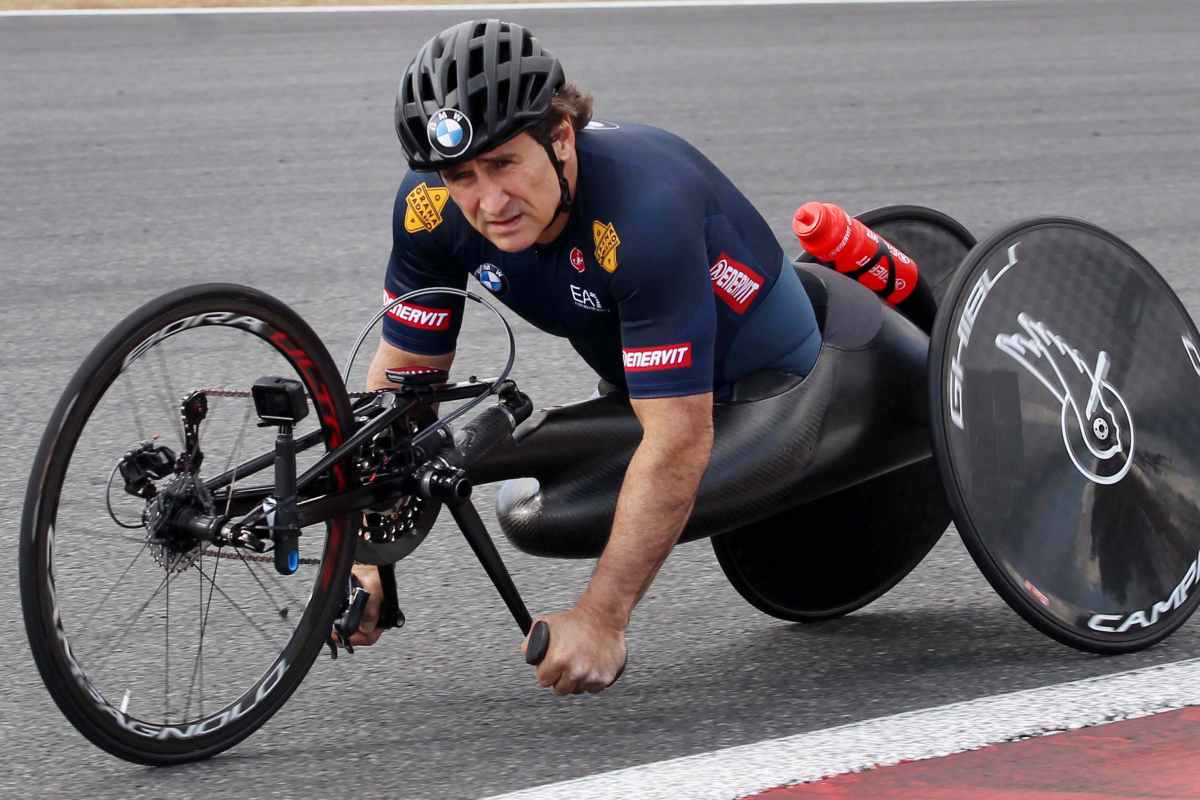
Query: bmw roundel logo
[449,132]
[492,278]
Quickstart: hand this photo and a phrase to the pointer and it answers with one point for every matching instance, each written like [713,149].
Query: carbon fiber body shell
[780,442]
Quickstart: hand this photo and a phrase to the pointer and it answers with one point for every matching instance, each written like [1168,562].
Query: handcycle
[1041,414]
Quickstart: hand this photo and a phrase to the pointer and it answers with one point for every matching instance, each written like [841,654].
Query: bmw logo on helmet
[492,278]
[449,132]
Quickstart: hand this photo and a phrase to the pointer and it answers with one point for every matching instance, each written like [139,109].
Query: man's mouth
[504,224]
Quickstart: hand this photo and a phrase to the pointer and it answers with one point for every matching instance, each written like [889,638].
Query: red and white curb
[749,769]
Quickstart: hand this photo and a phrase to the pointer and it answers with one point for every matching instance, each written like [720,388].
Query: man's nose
[492,197]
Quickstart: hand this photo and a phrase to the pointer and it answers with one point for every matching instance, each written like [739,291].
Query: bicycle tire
[91,713]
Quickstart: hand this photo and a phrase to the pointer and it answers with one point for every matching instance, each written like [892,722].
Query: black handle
[539,643]
[487,430]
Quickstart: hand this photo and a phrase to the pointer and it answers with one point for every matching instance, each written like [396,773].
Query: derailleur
[146,463]
[350,610]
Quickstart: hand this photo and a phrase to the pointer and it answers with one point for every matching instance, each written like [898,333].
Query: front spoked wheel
[158,645]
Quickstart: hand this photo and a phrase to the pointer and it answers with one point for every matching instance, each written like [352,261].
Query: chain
[245,394]
[243,556]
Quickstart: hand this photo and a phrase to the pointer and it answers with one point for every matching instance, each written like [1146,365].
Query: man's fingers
[365,638]
[550,672]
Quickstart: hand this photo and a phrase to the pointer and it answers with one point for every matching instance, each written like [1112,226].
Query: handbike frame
[433,468]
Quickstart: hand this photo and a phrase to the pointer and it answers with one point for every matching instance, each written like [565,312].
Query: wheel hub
[173,547]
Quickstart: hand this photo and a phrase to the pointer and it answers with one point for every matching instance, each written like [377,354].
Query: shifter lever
[348,621]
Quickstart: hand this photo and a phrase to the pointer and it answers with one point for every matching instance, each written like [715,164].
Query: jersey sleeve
[423,227]
[666,307]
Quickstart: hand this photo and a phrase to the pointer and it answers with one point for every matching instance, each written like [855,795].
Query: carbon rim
[104,690]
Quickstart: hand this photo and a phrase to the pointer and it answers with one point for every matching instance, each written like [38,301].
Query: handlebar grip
[539,643]
[482,434]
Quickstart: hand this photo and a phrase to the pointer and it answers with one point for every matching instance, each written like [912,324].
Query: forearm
[387,357]
[654,504]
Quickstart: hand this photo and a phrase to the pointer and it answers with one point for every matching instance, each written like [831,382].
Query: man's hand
[368,632]
[587,652]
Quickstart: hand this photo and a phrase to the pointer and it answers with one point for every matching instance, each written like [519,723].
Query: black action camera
[280,400]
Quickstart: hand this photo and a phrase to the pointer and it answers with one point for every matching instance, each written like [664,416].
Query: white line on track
[583,5]
[749,769]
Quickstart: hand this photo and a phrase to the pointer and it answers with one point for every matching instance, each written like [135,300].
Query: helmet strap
[564,201]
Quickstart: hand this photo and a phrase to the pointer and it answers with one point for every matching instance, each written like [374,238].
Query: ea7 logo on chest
[666,356]
[419,317]
[735,283]
[585,299]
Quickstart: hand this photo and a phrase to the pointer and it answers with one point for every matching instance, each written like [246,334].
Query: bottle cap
[816,226]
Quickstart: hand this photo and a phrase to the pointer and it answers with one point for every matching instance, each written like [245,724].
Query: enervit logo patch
[419,317]
[649,359]
[423,208]
[735,283]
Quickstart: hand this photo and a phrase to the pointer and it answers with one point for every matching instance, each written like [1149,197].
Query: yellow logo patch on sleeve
[423,208]
[606,244]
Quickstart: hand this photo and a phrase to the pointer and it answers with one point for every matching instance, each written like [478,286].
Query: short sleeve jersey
[661,263]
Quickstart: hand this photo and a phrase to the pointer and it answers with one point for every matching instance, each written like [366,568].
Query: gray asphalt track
[142,153]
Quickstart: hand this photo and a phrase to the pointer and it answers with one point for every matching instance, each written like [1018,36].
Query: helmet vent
[416,130]
[532,88]
[426,87]
[503,89]
[480,29]
[526,44]
[505,54]
[475,65]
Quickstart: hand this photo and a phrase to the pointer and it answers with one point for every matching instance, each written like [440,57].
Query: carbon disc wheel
[1064,373]
[157,647]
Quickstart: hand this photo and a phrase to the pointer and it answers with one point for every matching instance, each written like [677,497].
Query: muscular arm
[655,501]
[386,356]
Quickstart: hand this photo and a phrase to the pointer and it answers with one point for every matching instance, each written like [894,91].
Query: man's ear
[563,140]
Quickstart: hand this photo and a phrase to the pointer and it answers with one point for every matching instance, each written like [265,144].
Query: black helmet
[470,88]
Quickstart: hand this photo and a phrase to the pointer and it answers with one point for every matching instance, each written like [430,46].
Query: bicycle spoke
[176,421]
[133,407]
[87,626]
[237,448]
[198,667]
[261,585]
[274,576]
[242,611]
[137,615]
[167,658]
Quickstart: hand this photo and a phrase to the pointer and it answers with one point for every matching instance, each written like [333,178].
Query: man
[625,240]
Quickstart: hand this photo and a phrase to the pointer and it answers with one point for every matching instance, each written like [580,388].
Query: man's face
[509,194]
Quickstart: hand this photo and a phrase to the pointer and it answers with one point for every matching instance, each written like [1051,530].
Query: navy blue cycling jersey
[660,279]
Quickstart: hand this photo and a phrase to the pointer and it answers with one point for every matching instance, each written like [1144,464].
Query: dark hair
[570,102]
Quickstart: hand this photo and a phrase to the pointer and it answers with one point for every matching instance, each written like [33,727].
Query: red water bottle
[834,237]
